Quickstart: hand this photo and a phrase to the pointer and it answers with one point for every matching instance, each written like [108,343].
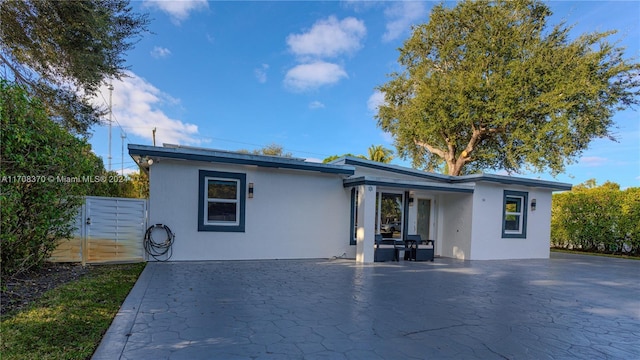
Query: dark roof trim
[392,168]
[224,157]
[501,179]
[406,185]
[509,180]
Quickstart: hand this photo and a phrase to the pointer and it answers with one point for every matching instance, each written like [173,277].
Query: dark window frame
[524,196]
[203,200]
[354,217]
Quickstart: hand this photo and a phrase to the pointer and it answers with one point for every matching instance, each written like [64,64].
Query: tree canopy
[377,153]
[269,150]
[488,85]
[62,51]
[336,157]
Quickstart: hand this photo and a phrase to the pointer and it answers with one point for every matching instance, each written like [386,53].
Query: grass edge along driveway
[68,322]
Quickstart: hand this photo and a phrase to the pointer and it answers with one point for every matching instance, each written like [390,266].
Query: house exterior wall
[455,222]
[486,238]
[293,214]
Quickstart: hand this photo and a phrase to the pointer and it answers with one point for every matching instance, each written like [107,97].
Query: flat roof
[137,152]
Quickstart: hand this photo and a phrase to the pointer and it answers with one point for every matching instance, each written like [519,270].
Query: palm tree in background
[380,154]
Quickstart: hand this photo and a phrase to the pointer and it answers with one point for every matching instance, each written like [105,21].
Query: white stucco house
[229,206]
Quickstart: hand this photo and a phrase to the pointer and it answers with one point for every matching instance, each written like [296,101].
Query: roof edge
[406,184]
[206,155]
[501,179]
[510,180]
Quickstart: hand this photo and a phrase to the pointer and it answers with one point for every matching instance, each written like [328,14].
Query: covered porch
[396,209]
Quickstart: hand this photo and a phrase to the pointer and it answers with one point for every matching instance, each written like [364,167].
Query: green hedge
[36,210]
[597,219]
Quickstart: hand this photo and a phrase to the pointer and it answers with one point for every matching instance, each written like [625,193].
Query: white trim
[208,200]
[519,214]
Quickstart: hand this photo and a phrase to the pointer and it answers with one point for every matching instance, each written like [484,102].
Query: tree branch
[16,73]
[431,149]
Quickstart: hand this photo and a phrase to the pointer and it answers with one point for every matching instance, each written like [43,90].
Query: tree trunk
[455,167]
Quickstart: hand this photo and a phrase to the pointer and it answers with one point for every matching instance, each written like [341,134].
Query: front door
[424,218]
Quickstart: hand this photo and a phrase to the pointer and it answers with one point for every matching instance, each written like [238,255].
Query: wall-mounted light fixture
[250,190]
[533,204]
[410,201]
[145,161]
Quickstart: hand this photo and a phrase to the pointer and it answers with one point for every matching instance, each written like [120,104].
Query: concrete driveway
[570,306]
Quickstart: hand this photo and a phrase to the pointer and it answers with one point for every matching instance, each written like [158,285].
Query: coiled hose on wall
[161,251]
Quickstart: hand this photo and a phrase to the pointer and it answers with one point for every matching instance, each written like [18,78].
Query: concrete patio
[570,306]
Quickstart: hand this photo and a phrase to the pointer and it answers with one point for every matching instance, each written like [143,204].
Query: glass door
[389,215]
[424,218]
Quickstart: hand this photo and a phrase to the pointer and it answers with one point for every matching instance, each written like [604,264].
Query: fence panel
[109,230]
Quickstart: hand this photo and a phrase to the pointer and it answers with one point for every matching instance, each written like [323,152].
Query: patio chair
[385,249]
[420,250]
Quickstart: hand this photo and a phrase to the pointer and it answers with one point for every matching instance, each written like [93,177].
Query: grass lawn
[595,254]
[69,321]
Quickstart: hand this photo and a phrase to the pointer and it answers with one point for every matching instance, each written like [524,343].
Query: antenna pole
[110,110]
[154,136]
[122,136]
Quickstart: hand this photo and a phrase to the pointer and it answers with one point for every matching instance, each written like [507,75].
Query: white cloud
[359,5]
[136,106]
[387,137]
[178,10]
[400,16]
[316,105]
[160,52]
[593,161]
[375,100]
[329,38]
[128,171]
[261,73]
[314,75]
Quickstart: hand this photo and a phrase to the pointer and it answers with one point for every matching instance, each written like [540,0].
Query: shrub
[38,203]
[597,218]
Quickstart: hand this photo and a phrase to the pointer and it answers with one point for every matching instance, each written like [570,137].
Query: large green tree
[488,85]
[62,51]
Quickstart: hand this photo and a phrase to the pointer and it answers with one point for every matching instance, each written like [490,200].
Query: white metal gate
[107,230]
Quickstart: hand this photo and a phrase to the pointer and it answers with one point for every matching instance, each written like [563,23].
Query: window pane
[513,204]
[512,222]
[391,215]
[515,214]
[221,189]
[221,212]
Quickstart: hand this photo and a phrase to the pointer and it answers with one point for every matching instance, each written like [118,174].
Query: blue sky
[242,75]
